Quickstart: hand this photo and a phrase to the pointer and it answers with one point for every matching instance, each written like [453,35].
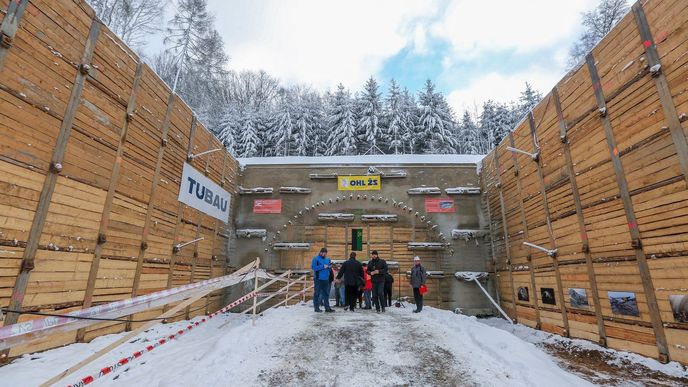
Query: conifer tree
[342,124]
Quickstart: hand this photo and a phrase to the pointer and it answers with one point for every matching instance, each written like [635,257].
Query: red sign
[267,206]
[439,205]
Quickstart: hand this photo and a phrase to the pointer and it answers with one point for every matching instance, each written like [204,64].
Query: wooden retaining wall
[92,145]
[608,191]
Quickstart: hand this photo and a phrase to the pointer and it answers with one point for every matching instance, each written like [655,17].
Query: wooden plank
[49,183]
[525,230]
[579,214]
[630,213]
[548,220]
[105,216]
[670,114]
[9,26]
[507,246]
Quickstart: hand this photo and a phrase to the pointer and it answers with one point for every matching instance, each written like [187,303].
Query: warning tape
[27,331]
[125,360]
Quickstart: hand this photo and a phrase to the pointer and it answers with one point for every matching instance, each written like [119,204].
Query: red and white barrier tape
[23,332]
[125,360]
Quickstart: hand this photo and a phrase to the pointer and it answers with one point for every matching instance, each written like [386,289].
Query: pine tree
[410,122]
[318,134]
[369,119]
[228,127]
[263,121]
[505,120]
[394,119]
[469,141]
[497,120]
[303,128]
[282,126]
[436,123]
[249,142]
[342,124]
[528,100]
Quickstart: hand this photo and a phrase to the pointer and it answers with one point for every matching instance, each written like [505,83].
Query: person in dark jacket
[377,268]
[321,275]
[389,283]
[352,274]
[418,278]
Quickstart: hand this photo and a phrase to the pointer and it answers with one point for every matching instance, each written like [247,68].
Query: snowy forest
[255,115]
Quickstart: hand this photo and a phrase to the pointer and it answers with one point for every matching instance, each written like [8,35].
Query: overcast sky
[472,49]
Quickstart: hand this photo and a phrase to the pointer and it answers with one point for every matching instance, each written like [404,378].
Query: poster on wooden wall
[523,294]
[439,205]
[267,206]
[624,303]
[579,298]
[679,307]
[548,296]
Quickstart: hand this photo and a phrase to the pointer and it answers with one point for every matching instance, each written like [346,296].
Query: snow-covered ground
[603,366]
[294,346]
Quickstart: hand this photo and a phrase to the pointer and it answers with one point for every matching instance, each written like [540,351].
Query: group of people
[356,281]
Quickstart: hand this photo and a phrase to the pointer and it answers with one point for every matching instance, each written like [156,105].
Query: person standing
[389,283]
[338,287]
[352,274]
[418,278]
[377,268]
[321,275]
[367,288]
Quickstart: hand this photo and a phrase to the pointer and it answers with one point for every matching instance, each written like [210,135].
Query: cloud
[320,42]
[501,87]
[420,40]
[475,27]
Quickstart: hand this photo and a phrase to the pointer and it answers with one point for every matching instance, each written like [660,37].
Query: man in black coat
[352,271]
[377,268]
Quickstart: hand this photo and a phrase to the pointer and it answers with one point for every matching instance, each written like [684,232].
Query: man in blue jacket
[321,272]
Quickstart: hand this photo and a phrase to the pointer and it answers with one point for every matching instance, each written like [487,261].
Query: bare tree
[253,89]
[131,20]
[597,24]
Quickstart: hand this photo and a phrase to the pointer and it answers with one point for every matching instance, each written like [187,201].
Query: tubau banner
[358,183]
[203,194]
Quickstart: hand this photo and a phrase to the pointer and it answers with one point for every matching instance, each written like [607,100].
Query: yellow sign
[358,183]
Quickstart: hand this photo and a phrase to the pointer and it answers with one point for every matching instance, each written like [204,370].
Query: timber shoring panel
[613,162]
[83,119]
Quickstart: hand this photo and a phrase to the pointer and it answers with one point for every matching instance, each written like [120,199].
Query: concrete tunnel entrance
[288,208]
